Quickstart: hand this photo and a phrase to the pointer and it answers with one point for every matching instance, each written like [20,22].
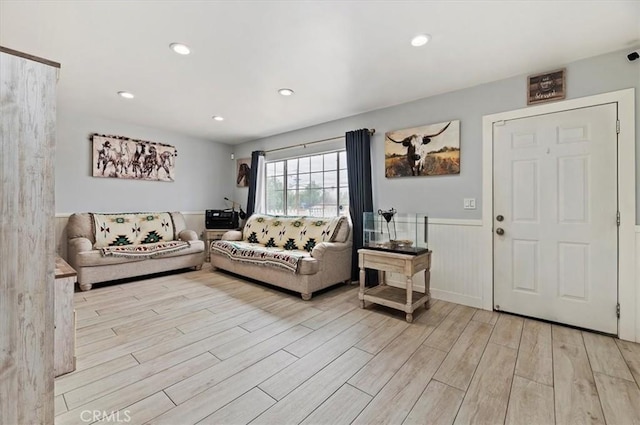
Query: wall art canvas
[429,150]
[124,158]
[243,172]
[546,87]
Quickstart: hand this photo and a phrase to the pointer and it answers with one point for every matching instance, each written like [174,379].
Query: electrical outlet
[469,203]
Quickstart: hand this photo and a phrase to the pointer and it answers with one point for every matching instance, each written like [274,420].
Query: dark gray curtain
[360,195]
[253,181]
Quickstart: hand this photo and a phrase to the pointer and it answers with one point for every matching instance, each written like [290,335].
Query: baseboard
[453,297]
[438,294]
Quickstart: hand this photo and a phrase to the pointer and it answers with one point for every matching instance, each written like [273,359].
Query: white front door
[554,217]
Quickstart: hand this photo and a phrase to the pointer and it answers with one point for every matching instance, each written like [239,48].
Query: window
[310,185]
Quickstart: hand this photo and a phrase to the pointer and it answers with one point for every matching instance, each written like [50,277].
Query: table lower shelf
[393,297]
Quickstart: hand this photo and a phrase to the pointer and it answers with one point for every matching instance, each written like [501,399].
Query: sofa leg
[306,297]
[85,286]
[198,267]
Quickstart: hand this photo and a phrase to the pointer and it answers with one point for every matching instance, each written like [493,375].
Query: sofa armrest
[331,248]
[76,246]
[80,245]
[188,235]
[232,235]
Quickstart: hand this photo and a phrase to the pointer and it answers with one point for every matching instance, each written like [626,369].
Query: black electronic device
[241,214]
[221,219]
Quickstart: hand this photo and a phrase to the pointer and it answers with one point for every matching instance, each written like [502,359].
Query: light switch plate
[469,203]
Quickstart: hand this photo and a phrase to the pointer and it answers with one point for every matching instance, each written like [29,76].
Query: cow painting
[423,151]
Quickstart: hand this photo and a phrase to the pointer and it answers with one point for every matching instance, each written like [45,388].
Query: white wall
[442,196]
[203,170]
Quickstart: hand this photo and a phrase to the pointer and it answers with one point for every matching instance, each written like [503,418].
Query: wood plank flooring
[204,347]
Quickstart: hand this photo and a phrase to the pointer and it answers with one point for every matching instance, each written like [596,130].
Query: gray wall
[442,196]
[202,180]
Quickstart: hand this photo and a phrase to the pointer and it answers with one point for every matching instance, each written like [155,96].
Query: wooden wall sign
[546,87]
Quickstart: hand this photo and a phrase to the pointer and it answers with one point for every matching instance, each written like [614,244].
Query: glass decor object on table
[388,230]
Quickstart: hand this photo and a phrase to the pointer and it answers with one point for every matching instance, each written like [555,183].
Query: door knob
[500,218]
[500,231]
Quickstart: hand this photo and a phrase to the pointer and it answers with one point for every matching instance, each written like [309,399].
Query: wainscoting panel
[193,219]
[637,280]
[456,262]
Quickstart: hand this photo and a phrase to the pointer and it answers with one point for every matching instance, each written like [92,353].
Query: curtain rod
[304,145]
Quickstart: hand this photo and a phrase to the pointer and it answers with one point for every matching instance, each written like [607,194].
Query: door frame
[627,326]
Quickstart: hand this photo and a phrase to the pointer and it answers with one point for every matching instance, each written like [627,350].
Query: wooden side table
[64,319]
[403,299]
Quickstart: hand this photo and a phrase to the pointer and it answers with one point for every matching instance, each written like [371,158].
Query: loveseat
[104,247]
[302,254]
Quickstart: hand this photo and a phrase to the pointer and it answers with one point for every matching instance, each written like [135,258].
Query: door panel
[526,265]
[525,191]
[573,189]
[555,183]
[573,271]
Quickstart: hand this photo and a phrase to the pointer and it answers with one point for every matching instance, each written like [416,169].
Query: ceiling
[341,57]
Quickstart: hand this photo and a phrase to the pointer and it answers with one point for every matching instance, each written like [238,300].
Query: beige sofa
[302,254]
[104,247]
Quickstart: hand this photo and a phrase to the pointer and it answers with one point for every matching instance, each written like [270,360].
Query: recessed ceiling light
[126,94]
[218,118]
[285,92]
[179,48]
[420,40]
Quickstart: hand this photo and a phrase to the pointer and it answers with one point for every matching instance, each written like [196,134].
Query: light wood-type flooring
[204,347]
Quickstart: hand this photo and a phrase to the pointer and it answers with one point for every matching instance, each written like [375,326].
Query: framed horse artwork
[124,158]
[243,172]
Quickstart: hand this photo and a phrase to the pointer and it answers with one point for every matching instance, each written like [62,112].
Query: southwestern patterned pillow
[132,229]
[291,233]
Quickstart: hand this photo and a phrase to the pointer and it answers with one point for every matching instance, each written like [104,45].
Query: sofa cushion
[291,233]
[133,229]
[95,258]
[82,225]
[343,231]
[195,247]
[296,261]
[147,250]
